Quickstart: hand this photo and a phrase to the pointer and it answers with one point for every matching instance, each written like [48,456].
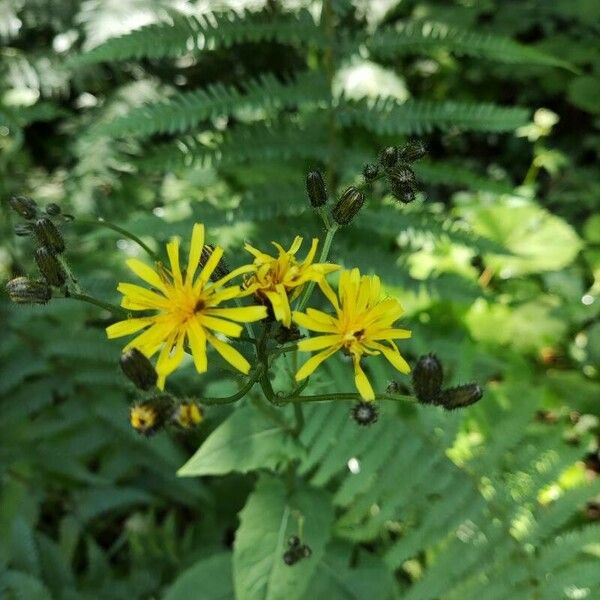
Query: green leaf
[270,516]
[246,441]
[209,579]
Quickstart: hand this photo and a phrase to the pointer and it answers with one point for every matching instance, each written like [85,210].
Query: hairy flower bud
[188,414]
[53,209]
[427,379]
[138,369]
[48,235]
[26,207]
[460,396]
[389,157]
[348,206]
[370,171]
[315,187]
[412,151]
[221,269]
[23,290]
[50,267]
[365,413]
[403,192]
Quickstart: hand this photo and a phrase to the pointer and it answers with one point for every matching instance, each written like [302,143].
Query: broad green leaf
[246,441]
[209,579]
[336,578]
[539,240]
[270,516]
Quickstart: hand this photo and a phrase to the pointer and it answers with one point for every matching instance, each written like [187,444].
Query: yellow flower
[280,279]
[187,310]
[363,324]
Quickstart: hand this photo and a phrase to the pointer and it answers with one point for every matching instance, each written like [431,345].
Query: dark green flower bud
[289,558]
[26,207]
[371,171]
[23,290]
[50,267]
[347,206]
[460,396]
[315,187]
[389,157]
[48,235]
[23,229]
[413,151]
[427,379]
[294,541]
[53,209]
[138,369]
[364,413]
[221,269]
[403,192]
[405,175]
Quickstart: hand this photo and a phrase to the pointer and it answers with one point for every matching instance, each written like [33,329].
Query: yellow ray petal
[308,321]
[220,325]
[295,245]
[197,339]
[148,274]
[319,342]
[389,334]
[170,356]
[173,253]
[142,296]
[281,306]
[149,341]
[311,253]
[127,327]
[196,246]
[243,314]
[329,293]
[362,383]
[209,267]
[393,355]
[313,362]
[229,353]
[235,273]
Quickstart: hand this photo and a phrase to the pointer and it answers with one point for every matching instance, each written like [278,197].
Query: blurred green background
[158,113]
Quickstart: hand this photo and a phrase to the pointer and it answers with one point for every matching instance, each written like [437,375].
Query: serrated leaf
[246,441]
[270,516]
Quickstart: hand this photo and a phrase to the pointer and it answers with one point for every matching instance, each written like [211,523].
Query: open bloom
[187,310]
[280,279]
[363,324]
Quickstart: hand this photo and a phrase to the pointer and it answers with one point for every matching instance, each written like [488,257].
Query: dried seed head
[412,151]
[220,270]
[461,396]
[315,187]
[389,157]
[427,379]
[23,290]
[347,206]
[24,206]
[138,369]
[365,413]
[370,171]
[50,267]
[48,235]
[188,415]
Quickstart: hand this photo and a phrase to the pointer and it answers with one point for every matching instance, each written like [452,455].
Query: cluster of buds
[395,164]
[296,551]
[365,413]
[427,380]
[40,226]
[153,414]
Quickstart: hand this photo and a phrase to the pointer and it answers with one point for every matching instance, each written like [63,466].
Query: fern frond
[388,116]
[184,34]
[419,37]
[183,111]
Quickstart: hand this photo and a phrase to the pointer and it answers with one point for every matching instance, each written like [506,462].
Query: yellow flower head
[188,415]
[363,324]
[143,418]
[280,279]
[187,310]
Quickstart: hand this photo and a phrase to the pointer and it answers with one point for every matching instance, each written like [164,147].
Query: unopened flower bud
[460,396]
[188,415]
[315,187]
[150,416]
[365,413]
[413,151]
[50,267]
[26,207]
[23,229]
[53,209]
[427,379]
[138,369]
[389,157]
[403,192]
[289,558]
[405,175]
[23,290]
[48,235]
[220,270]
[370,171]
[347,206]
[294,541]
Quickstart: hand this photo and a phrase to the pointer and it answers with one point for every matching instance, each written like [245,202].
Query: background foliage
[157,113]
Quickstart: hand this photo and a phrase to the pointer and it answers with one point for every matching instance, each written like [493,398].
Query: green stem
[345,396]
[240,393]
[324,254]
[277,351]
[134,238]
[113,308]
